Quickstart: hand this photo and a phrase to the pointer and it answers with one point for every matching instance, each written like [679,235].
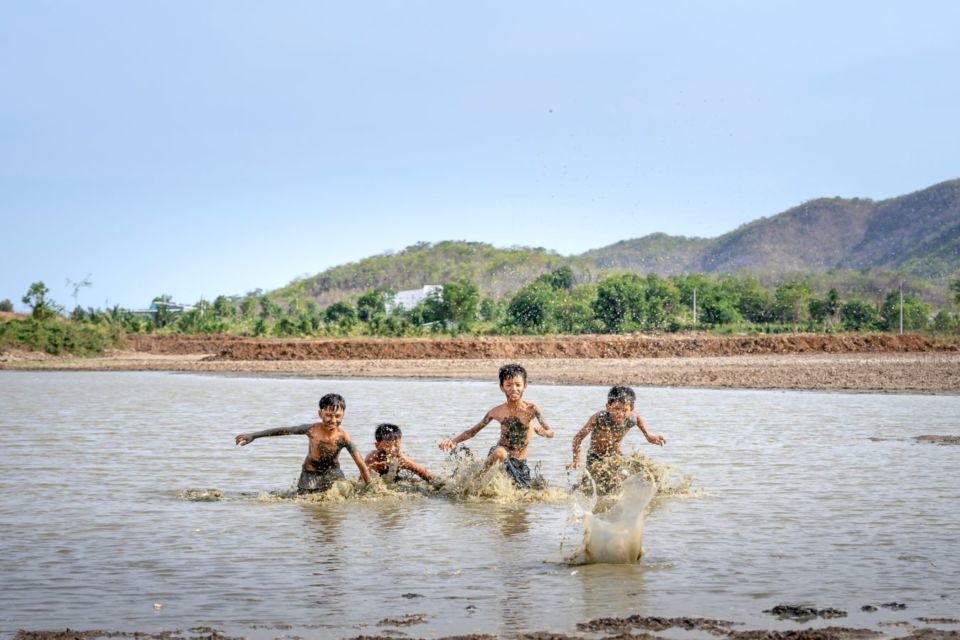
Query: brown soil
[512,348]
[859,363]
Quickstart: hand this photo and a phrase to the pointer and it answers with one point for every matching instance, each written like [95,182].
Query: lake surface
[808,498]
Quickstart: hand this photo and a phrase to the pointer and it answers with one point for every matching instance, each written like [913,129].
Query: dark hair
[508,371]
[333,401]
[621,393]
[387,431]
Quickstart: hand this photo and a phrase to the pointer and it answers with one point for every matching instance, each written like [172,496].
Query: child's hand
[658,440]
[575,463]
[244,438]
[447,445]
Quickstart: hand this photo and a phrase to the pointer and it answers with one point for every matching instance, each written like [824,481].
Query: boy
[387,454]
[609,427]
[516,427]
[321,467]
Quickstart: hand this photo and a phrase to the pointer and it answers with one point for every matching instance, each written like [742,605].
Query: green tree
[955,287]
[223,309]
[823,311]
[491,310]
[6,305]
[791,302]
[573,311]
[561,278]
[916,315]
[247,306]
[751,300]
[662,301]
[858,315]
[269,309]
[621,303]
[718,308]
[945,321]
[532,307]
[460,302]
[41,307]
[372,303]
[339,311]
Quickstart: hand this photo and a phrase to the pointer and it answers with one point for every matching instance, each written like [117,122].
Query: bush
[57,337]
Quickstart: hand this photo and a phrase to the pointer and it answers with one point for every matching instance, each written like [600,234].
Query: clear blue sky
[205,148]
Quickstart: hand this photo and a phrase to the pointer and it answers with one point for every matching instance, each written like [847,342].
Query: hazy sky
[205,148]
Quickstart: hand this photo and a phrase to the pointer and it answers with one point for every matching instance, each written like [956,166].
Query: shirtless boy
[516,417]
[610,426]
[321,467]
[387,455]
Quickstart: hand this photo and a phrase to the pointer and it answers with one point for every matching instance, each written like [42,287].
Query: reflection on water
[824,499]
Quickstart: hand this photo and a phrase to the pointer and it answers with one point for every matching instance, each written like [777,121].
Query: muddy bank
[870,372]
[632,628]
[841,363]
[520,347]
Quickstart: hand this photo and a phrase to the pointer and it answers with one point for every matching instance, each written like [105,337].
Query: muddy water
[807,498]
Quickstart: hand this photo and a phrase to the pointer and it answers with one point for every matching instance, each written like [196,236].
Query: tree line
[554,303]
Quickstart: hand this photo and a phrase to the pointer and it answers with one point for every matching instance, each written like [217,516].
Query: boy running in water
[387,456]
[321,467]
[516,417]
[609,427]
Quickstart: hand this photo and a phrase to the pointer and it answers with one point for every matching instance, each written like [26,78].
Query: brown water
[822,499]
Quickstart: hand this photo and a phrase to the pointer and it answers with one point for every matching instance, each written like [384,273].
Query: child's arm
[357,458]
[544,429]
[247,438]
[652,439]
[407,463]
[446,445]
[577,439]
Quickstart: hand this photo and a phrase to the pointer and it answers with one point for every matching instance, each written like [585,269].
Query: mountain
[916,234]
[494,271]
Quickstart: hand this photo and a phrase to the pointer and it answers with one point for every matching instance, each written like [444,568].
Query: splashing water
[616,537]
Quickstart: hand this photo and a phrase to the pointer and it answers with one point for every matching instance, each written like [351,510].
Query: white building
[407,300]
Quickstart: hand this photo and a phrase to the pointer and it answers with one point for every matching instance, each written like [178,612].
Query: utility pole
[901,307]
[694,307]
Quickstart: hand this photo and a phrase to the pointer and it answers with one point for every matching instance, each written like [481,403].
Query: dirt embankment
[859,363]
[226,348]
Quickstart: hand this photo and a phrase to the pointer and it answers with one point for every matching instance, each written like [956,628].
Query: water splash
[616,536]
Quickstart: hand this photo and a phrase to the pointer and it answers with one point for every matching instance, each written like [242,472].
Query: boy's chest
[323,441]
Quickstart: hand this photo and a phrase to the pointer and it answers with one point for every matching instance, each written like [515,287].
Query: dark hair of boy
[387,431]
[508,371]
[333,401]
[621,393]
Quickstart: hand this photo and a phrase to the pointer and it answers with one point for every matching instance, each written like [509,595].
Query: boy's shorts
[316,481]
[517,468]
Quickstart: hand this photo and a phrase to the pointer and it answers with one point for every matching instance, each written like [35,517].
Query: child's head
[620,401]
[332,407]
[333,401]
[387,437]
[508,371]
[513,380]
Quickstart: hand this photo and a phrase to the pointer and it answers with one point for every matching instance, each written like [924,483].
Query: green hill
[916,235]
[494,271]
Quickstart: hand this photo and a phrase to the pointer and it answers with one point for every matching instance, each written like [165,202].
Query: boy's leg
[311,482]
[497,454]
[519,470]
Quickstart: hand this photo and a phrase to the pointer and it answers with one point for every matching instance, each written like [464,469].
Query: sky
[203,148]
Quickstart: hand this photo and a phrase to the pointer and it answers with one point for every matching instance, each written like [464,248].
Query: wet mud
[851,363]
[938,439]
[634,627]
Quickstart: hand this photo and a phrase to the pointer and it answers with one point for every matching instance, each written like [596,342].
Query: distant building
[407,300]
[156,305]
